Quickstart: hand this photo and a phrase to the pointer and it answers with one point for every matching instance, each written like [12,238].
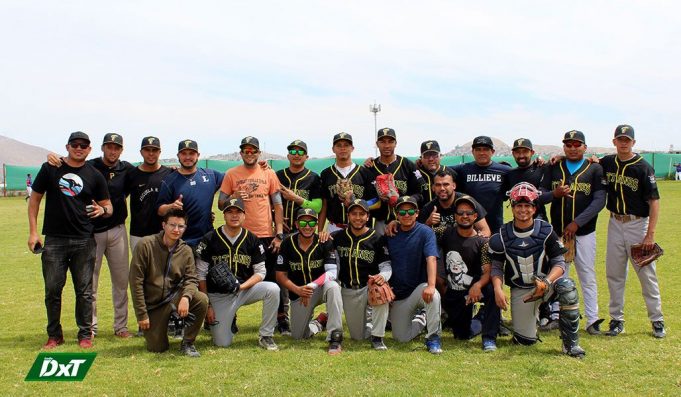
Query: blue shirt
[408,253]
[573,166]
[198,191]
[485,184]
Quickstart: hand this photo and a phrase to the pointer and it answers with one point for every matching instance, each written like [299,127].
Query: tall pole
[375,109]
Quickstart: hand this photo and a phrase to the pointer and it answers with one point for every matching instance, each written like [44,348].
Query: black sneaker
[335,343]
[576,352]
[658,329]
[188,349]
[284,327]
[377,343]
[267,343]
[235,328]
[616,328]
[595,327]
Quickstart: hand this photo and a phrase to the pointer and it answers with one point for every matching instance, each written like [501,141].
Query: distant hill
[503,149]
[18,153]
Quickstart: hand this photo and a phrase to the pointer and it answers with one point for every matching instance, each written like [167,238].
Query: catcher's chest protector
[525,254]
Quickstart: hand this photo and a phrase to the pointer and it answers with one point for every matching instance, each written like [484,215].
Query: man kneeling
[162,278]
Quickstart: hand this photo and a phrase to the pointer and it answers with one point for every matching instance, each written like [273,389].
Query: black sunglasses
[79,145]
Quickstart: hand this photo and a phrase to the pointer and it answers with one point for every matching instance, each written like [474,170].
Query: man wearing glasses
[578,197]
[76,194]
[413,258]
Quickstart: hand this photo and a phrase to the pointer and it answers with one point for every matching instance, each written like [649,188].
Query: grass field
[632,364]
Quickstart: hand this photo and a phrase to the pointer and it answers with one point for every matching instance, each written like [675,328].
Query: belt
[625,218]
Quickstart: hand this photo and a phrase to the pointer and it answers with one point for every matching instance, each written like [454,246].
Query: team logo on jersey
[204,178]
[417,173]
[70,184]
[523,244]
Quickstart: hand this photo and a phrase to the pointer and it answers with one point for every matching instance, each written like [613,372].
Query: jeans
[77,255]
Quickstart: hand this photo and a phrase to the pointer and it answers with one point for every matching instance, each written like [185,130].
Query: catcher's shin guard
[566,292]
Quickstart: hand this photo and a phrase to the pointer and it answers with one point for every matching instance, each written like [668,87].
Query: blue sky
[446,70]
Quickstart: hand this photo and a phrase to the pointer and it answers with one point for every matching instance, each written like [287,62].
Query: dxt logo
[60,367]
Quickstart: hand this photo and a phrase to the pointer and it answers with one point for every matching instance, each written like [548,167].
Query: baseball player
[307,268]
[362,255]
[634,205]
[29,183]
[245,255]
[299,187]
[428,165]
[527,253]
[466,276]
[528,171]
[579,195]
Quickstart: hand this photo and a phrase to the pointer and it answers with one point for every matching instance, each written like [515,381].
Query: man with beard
[299,187]
[307,268]
[192,189]
[362,255]
[528,171]
[466,281]
[428,165]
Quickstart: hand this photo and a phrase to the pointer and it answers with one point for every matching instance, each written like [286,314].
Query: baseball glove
[385,187]
[344,189]
[379,294]
[223,279]
[643,257]
[542,288]
[570,247]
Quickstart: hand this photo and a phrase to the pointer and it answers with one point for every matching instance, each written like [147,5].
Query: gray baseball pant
[355,308]
[113,244]
[329,293]
[585,264]
[402,313]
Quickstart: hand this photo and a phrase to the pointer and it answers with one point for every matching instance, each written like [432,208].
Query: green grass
[632,364]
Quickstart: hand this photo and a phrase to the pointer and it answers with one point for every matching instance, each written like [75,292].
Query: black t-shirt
[68,191]
[115,178]
[633,180]
[306,184]
[408,182]
[359,256]
[246,251]
[586,180]
[143,188]
[447,214]
[304,266]
[463,258]
[534,175]
[485,184]
[361,187]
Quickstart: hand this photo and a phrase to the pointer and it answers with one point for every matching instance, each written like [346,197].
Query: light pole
[375,109]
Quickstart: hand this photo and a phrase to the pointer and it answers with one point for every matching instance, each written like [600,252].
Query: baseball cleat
[267,343]
[616,328]
[658,329]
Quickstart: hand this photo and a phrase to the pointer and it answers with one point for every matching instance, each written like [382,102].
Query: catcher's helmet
[523,192]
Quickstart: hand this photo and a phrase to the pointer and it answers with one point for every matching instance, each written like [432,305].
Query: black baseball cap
[187,144]
[406,200]
[430,146]
[483,141]
[522,143]
[574,135]
[359,203]
[342,136]
[234,203]
[113,138]
[150,141]
[79,135]
[624,130]
[297,143]
[306,212]
[466,199]
[383,132]
[250,140]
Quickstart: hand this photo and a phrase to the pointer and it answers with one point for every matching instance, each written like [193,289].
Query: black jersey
[408,182]
[584,183]
[304,266]
[534,175]
[246,251]
[143,188]
[361,187]
[427,194]
[447,214]
[305,184]
[629,185]
[359,256]
[115,178]
[68,191]
[463,258]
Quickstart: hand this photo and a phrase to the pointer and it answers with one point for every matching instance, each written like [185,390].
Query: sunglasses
[405,212]
[173,226]
[79,145]
[307,223]
[573,144]
[299,152]
[462,213]
[250,151]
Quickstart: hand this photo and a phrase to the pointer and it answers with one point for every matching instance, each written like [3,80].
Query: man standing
[528,171]
[143,184]
[241,252]
[484,179]
[29,183]
[634,205]
[163,278]
[259,189]
[428,165]
[362,256]
[299,187]
[191,189]
[307,268]
[467,269]
[677,166]
[579,195]
[527,254]
[76,194]
[413,258]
